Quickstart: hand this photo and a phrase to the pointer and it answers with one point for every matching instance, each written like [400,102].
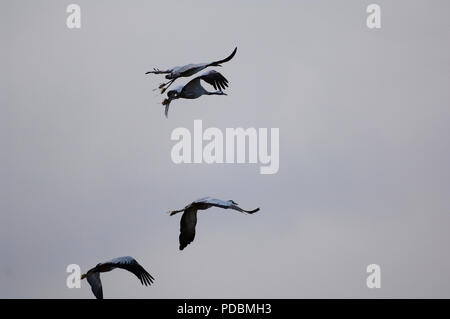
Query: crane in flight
[189,217]
[194,89]
[127,263]
[186,70]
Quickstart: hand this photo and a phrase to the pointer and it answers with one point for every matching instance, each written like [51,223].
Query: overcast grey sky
[364,120]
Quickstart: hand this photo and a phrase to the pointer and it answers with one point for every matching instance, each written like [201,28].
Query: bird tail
[217,63]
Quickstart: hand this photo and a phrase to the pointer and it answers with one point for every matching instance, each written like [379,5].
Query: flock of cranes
[192,90]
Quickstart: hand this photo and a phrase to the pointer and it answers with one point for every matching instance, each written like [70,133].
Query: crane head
[173,94]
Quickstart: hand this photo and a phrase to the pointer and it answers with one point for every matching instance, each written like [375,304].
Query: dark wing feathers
[187,227]
[235,207]
[130,264]
[94,281]
[139,271]
[217,63]
[217,80]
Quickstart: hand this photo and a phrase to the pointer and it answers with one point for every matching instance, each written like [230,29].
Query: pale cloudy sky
[364,120]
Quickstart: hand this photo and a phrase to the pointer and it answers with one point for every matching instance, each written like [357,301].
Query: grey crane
[194,89]
[186,70]
[189,217]
[126,262]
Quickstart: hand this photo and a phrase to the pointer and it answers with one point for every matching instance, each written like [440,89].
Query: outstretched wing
[218,63]
[93,279]
[191,69]
[130,264]
[213,202]
[217,80]
[188,69]
[229,204]
[236,207]
[187,227]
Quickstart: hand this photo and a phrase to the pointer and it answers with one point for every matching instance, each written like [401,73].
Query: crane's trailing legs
[157,71]
[163,86]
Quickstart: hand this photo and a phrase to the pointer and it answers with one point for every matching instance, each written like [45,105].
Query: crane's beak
[83,276]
